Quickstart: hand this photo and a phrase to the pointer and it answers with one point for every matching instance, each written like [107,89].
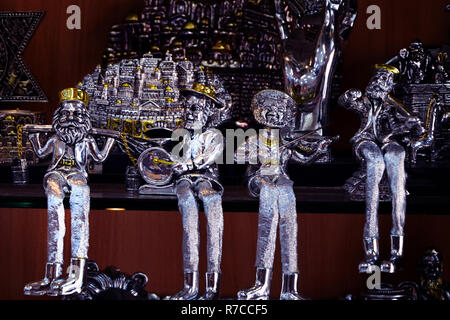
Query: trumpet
[46,128]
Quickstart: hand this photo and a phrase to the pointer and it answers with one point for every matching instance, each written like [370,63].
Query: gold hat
[202,90]
[74,94]
[387,67]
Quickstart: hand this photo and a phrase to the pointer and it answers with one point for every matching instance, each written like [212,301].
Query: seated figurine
[70,146]
[378,144]
[269,180]
[197,177]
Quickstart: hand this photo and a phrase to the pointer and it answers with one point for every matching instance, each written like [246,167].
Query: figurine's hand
[353,94]
[414,124]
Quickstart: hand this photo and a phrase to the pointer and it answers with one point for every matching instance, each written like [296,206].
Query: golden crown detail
[74,94]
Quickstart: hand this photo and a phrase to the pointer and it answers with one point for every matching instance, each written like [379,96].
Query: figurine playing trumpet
[70,145]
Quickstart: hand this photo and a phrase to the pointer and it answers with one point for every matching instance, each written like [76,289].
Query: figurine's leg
[373,158]
[265,249]
[188,207]
[395,166]
[54,187]
[79,211]
[288,241]
[212,203]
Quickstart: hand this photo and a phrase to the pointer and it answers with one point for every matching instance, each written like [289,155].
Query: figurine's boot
[289,287]
[212,286]
[74,281]
[261,289]
[371,258]
[395,261]
[190,289]
[53,271]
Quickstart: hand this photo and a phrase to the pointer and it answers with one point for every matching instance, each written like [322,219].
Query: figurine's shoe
[53,271]
[212,286]
[394,264]
[261,289]
[190,289]
[74,281]
[371,259]
[289,287]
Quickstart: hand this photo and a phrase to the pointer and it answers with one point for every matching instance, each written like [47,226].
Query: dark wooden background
[149,241]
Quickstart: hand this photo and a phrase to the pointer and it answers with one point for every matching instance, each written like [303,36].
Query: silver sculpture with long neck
[309,61]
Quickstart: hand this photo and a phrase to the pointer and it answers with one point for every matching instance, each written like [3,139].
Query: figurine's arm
[41,151]
[352,99]
[100,155]
[212,148]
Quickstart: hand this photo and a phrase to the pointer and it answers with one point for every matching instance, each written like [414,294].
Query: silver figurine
[270,151]
[196,178]
[70,146]
[311,49]
[385,124]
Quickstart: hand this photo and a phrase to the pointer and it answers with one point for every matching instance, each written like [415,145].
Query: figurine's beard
[73,132]
[71,135]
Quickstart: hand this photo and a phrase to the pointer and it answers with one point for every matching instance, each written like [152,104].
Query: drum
[156,166]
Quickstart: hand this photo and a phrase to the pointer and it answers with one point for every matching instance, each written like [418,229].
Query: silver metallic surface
[385,124]
[308,60]
[371,255]
[196,176]
[74,281]
[261,289]
[289,286]
[53,271]
[394,263]
[269,180]
[212,285]
[70,146]
[190,287]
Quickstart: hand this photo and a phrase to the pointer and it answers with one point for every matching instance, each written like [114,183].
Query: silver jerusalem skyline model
[268,180]
[385,126]
[70,146]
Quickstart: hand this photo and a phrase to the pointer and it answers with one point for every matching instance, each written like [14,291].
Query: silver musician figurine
[70,146]
[385,124]
[269,180]
[196,177]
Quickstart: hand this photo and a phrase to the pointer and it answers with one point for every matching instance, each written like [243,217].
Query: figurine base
[157,190]
[404,291]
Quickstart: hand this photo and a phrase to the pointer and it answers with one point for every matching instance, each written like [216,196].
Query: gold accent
[169,88]
[201,88]
[152,87]
[20,141]
[67,162]
[125,144]
[126,85]
[170,100]
[221,46]
[158,161]
[74,94]
[189,26]
[132,17]
[387,67]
